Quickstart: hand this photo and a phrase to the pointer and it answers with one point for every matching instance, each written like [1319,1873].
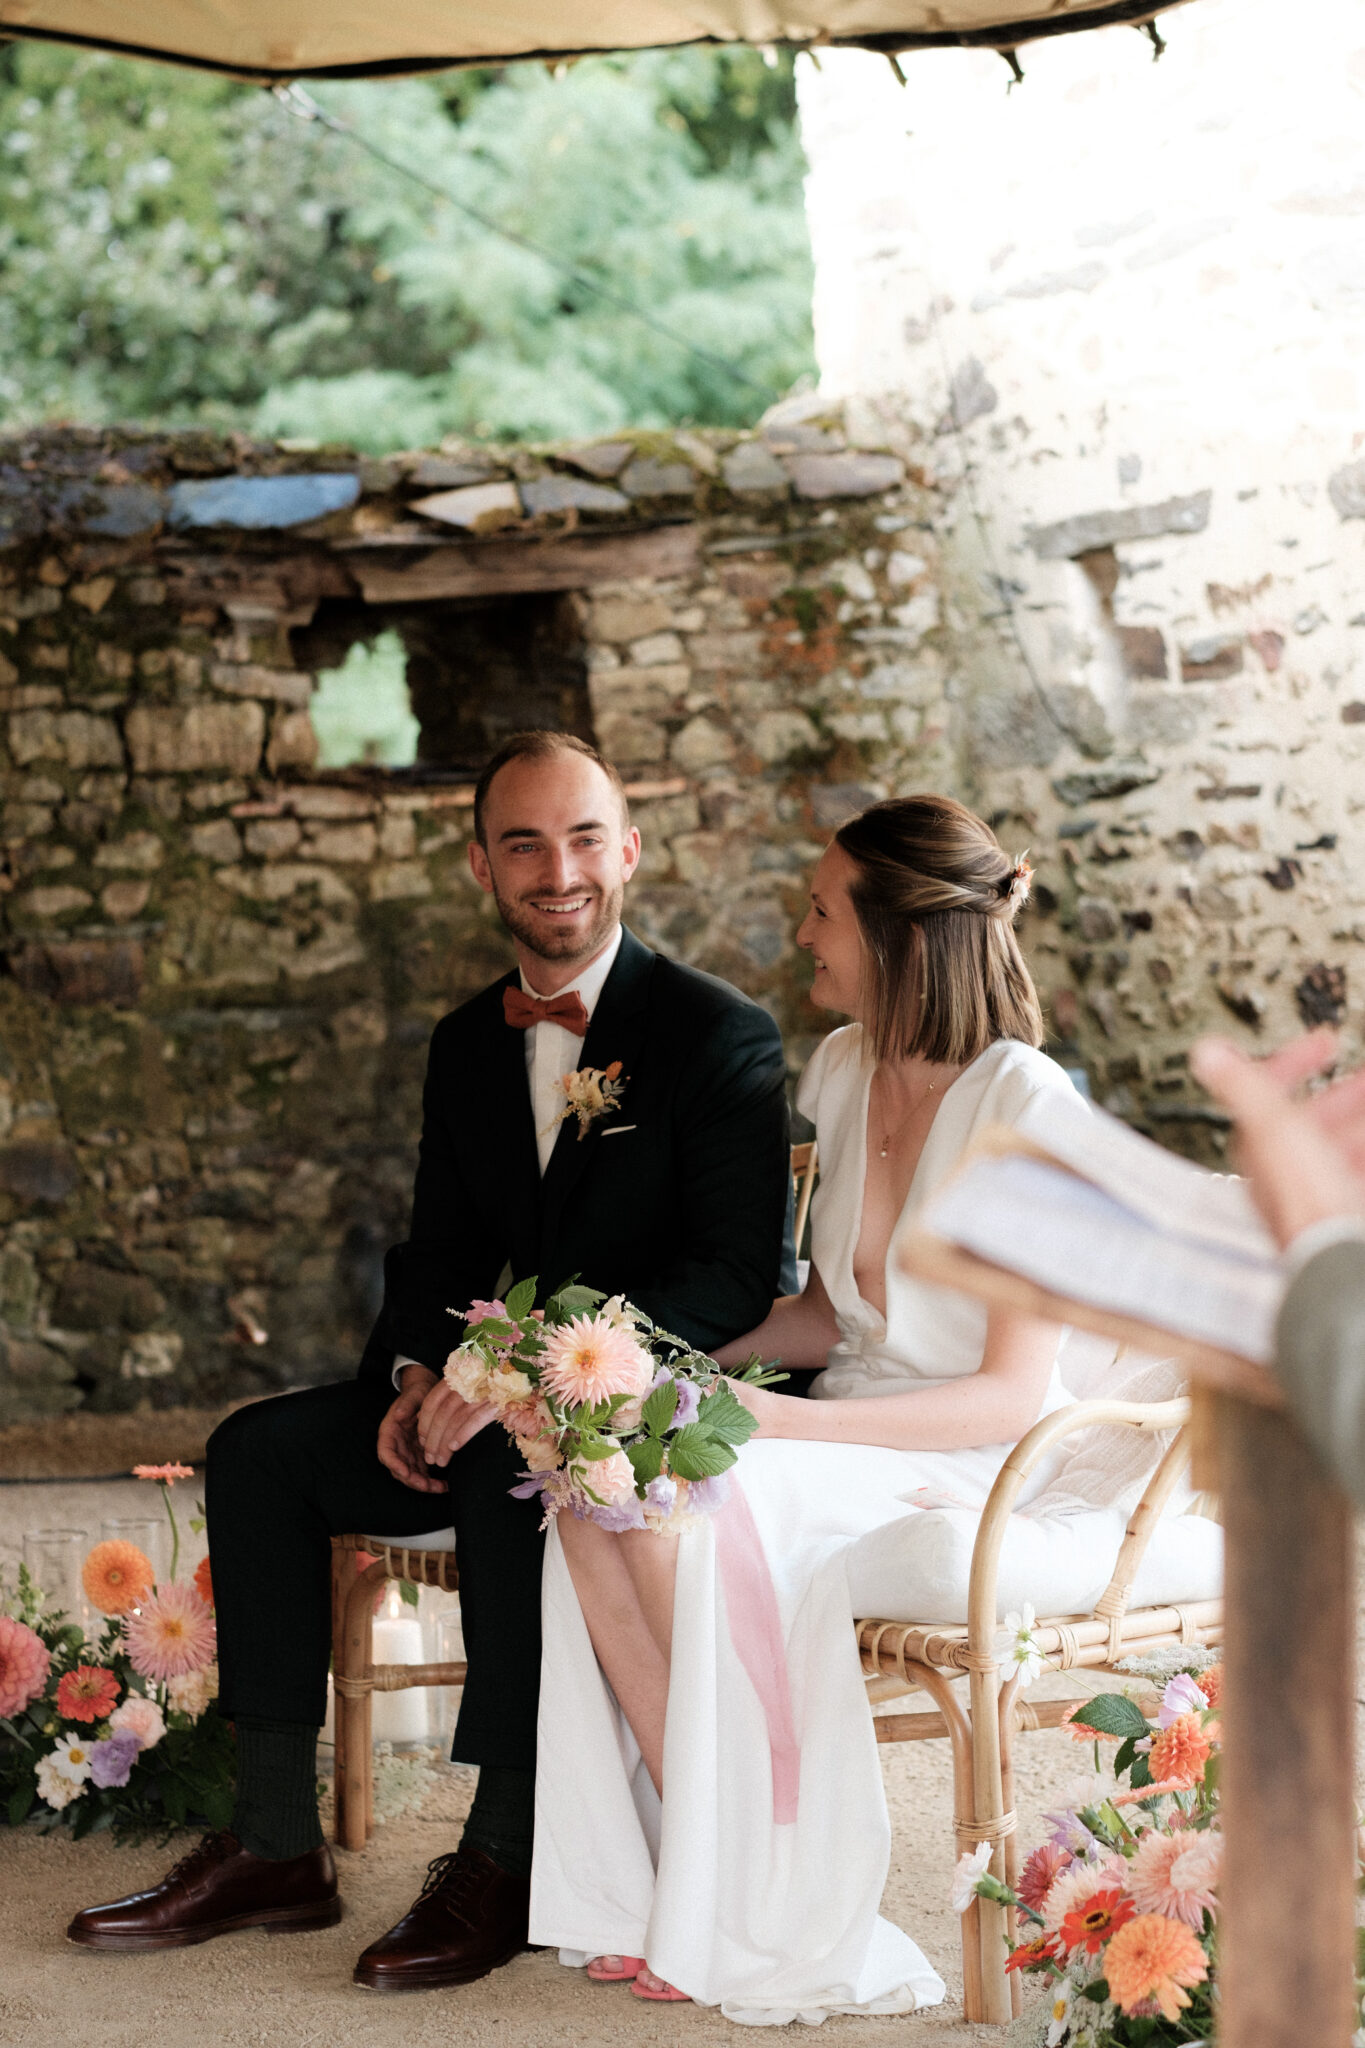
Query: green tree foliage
[177,249]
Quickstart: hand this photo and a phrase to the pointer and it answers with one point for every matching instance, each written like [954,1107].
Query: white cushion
[918,1568]
[438,1539]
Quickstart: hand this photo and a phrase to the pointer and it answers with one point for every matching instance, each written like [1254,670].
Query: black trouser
[285,1476]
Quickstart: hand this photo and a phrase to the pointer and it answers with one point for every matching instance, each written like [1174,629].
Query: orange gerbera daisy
[1210,1683]
[1150,1965]
[165,1475]
[203,1579]
[1091,1924]
[87,1693]
[116,1575]
[1180,1752]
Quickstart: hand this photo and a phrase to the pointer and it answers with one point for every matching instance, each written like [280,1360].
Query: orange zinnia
[1210,1683]
[1180,1752]
[1151,1963]
[203,1579]
[116,1575]
[87,1693]
[164,1475]
[1044,1948]
[1091,1925]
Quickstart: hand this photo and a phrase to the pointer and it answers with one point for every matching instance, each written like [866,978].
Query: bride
[710,1819]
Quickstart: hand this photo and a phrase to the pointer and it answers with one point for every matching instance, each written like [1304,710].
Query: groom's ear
[478,861]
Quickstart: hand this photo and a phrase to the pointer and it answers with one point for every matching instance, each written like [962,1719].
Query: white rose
[141,1717]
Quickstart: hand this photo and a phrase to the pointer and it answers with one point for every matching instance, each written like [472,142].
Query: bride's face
[831,934]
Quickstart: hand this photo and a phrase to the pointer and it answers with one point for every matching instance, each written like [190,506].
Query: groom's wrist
[412,1373]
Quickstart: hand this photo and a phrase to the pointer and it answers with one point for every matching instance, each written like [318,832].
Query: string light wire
[304,107]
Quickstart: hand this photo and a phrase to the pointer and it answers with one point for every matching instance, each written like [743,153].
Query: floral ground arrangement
[120,1730]
[617,1421]
[1118,1907]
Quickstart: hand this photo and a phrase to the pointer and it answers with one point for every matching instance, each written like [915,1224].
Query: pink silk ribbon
[756,1632]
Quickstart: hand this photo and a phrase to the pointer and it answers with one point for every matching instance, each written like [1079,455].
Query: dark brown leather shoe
[218,1887]
[469,1918]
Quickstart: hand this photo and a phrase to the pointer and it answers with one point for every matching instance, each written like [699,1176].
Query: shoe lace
[209,1849]
[454,1877]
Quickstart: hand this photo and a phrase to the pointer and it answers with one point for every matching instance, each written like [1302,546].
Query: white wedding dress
[755,1884]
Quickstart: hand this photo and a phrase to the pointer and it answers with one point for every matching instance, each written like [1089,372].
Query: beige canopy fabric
[271,40]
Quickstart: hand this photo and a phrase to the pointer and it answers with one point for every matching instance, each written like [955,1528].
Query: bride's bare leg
[625,1588]
[625,1626]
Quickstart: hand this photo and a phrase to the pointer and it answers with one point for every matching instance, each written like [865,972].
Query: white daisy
[71,1759]
[1023,1651]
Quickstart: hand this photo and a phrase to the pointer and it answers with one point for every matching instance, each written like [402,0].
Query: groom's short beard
[567,945]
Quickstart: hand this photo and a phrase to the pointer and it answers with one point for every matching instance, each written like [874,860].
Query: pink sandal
[615,1969]
[666,1994]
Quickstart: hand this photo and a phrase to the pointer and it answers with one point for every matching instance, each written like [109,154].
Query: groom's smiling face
[557,857]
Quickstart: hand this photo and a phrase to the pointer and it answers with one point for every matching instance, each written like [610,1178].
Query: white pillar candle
[399,1716]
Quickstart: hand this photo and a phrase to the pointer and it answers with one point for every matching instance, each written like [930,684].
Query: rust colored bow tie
[522,1010]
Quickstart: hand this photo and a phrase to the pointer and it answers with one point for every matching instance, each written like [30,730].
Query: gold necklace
[892,1129]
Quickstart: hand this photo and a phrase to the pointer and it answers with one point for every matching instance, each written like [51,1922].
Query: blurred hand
[762,1403]
[399,1446]
[1304,1160]
[447,1422]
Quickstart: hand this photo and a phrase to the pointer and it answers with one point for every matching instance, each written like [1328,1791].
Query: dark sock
[502,1818]
[276,1814]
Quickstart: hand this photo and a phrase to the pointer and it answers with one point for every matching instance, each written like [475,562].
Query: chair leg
[345,1571]
[987,1813]
[940,1690]
[355,1809]
[1009,1724]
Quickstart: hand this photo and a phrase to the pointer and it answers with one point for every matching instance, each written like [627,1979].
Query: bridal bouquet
[617,1421]
[119,1729]
[1120,1902]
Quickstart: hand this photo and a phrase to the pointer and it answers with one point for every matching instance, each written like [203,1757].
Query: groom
[676,1198]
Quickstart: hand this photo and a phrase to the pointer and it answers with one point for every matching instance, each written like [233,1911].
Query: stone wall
[1123,302]
[222,965]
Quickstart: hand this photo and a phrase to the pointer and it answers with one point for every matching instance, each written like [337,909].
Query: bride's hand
[762,1404]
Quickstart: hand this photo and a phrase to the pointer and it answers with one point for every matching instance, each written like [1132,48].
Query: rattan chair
[900,1657]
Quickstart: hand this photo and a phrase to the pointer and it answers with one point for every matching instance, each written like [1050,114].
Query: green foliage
[177,249]
[1112,1713]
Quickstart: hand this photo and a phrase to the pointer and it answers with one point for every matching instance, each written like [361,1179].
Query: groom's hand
[399,1446]
[447,1422]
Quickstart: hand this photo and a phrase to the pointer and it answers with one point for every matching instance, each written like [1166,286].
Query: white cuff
[399,1365]
[1317,1237]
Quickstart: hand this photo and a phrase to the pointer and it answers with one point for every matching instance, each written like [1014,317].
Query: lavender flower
[661,1493]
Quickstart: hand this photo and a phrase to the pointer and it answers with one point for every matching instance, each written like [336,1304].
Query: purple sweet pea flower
[689,1400]
[626,1514]
[111,1761]
[704,1496]
[531,1486]
[1182,1696]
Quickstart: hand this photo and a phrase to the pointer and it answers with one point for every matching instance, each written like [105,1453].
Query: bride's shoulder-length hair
[936,897]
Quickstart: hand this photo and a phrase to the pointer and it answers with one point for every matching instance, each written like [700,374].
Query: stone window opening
[426,692]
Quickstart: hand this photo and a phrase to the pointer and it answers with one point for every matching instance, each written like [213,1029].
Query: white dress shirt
[551,1051]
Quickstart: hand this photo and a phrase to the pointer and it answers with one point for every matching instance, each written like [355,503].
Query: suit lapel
[616,1032]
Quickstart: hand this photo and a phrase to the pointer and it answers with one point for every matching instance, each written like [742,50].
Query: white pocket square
[619,1130]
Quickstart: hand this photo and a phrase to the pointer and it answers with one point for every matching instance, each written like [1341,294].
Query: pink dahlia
[1040,1872]
[588,1359]
[172,1635]
[24,1665]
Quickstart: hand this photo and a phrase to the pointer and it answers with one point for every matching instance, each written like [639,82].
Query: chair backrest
[805,1173]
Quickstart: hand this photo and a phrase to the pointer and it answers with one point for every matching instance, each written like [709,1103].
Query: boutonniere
[589,1093]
